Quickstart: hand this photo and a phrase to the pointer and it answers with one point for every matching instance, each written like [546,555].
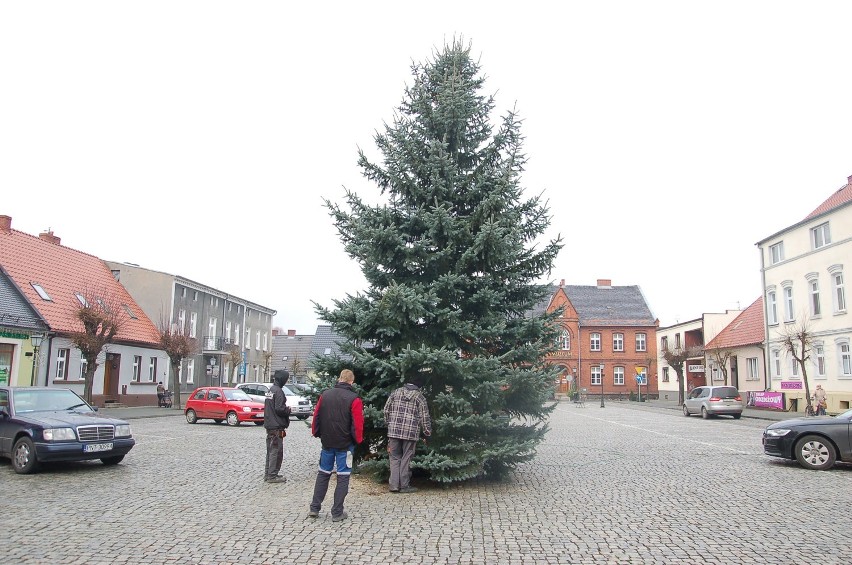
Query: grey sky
[668,137]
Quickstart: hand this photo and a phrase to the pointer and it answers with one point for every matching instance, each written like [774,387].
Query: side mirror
[4,412]
[95,408]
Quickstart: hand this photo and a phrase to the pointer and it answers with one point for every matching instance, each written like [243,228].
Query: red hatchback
[223,403]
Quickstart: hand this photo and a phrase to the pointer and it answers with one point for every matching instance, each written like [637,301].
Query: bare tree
[177,344]
[102,317]
[720,356]
[267,365]
[234,357]
[676,358]
[297,365]
[797,340]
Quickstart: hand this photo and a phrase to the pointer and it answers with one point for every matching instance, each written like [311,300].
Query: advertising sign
[766,399]
[791,385]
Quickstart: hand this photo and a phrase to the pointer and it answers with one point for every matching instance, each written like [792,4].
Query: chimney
[5,224]
[274,332]
[561,283]
[49,237]
[291,333]
[848,179]
[604,283]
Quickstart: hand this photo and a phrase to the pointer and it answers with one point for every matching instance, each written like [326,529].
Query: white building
[803,271]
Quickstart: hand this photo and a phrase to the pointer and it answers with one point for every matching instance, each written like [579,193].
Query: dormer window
[41,292]
[82,300]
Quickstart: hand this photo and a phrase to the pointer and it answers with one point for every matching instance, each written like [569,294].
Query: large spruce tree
[454,270]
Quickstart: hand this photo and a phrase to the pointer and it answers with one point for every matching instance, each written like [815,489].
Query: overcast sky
[199,138]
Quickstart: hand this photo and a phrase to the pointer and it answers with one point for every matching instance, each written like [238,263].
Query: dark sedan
[815,442]
[40,424]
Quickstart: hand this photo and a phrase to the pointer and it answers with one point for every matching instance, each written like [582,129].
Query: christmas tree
[453,268]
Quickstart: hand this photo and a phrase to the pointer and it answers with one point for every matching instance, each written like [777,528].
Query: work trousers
[274,453]
[400,451]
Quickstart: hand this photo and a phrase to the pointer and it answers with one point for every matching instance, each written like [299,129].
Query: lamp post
[36,338]
[601,367]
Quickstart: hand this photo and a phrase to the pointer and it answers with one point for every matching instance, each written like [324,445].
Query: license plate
[260,414]
[95,447]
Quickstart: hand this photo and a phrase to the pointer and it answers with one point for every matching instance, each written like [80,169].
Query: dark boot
[320,488]
[340,492]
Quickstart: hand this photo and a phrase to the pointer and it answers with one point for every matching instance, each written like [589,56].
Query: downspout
[47,367]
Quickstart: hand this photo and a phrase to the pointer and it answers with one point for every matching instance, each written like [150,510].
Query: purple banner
[791,385]
[766,399]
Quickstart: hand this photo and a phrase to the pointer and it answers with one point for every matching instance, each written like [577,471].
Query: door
[111,375]
[215,404]
[735,377]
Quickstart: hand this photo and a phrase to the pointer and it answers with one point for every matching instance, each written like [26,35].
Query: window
[595,342]
[256,372]
[596,375]
[211,301]
[618,375]
[182,321]
[193,323]
[794,367]
[190,371]
[84,364]
[771,308]
[82,300]
[248,337]
[838,292]
[776,363]
[788,303]
[183,292]
[716,373]
[819,359]
[265,341]
[640,342]
[129,312]
[62,356]
[751,369]
[137,368]
[152,369]
[820,236]
[257,340]
[237,334]
[564,341]
[665,374]
[195,296]
[776,253]
[211,331]
[41,292]
[815,306]
[227,331]
[618,342]
[677,341]
[845,359]
[664,343]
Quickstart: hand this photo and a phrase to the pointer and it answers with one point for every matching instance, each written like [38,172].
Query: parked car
[300,406]
[714,401]
[816,442]
[41,424]
[223,404]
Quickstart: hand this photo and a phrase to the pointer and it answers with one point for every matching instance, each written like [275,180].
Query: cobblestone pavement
[627,484]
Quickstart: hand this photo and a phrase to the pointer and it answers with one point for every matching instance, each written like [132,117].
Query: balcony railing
[216,343]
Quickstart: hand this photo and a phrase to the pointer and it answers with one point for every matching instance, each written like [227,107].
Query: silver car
[300,406]
[713,401]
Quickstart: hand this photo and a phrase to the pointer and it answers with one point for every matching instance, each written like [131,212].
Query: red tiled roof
[745,329]
[842,196]
[62,272]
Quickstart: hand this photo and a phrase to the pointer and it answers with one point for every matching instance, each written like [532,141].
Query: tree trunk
[176,384]
[809,407]
[89,378]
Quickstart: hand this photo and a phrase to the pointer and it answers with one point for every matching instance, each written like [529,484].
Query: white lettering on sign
[696,368]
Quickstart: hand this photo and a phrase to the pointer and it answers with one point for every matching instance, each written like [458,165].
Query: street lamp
[36,338]
[601,367]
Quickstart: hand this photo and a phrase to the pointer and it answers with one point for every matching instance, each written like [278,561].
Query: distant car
[41,424]
[300,406]
[816,442]
[223,404]
[714,401]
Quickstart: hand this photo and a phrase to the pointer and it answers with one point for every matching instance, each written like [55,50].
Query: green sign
[13,335]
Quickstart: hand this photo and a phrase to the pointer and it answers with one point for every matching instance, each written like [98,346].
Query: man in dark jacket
[276,420]
[339,423]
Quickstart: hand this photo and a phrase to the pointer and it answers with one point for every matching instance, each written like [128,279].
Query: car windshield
[236,394]
[38,400]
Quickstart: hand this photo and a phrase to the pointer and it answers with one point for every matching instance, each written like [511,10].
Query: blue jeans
[329,458]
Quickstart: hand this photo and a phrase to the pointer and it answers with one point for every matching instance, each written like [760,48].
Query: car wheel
[258,423]
[112,460]
[685,411]
[191,417]
[24,456]
[305,417]
[704,413]
[232,419]
[217,420]
[814,452]
[737,416]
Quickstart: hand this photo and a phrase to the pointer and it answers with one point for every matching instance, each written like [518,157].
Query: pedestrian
[406,415]
[276,420]
[339,423]
[161,394]
[819,398]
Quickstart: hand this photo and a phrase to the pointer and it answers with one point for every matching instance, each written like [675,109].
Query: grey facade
[234,335]
[293,353]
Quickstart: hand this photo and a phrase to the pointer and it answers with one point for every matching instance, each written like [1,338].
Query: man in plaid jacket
[406,414]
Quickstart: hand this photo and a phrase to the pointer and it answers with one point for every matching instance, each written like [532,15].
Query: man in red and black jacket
[339,423]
